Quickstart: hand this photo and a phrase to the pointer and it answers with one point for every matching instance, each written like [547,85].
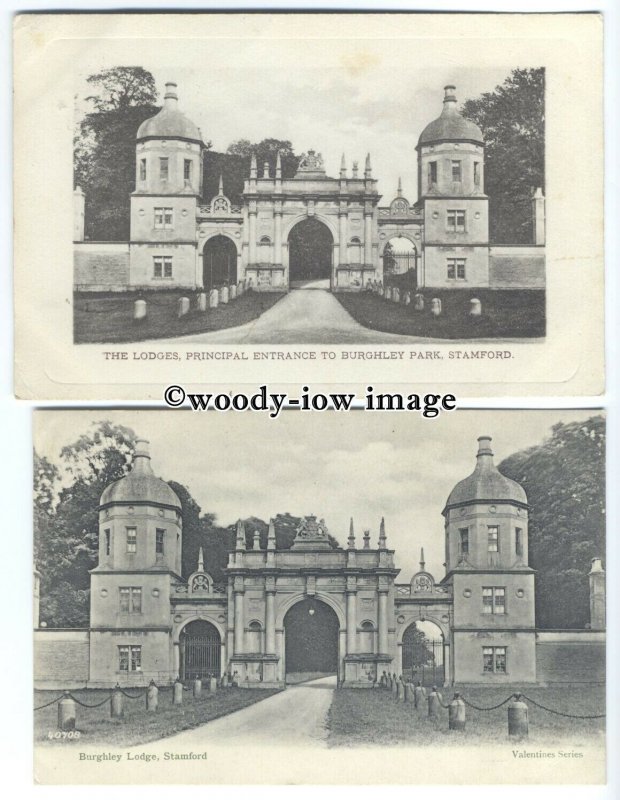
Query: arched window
[355,251]
[254,637]
[367,637]
[264,250]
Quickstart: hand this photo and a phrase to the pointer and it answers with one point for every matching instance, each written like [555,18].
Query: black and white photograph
[285,196]
[389,588]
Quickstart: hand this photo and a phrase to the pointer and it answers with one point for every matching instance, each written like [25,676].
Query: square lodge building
[311,229]
[283,615]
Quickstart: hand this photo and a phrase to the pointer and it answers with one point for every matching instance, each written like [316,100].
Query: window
[456,220]
[159,541]
[107,541]
[163,169]
[494,659]
[132,540]
[162,266]
[163,218]
[130,599]
[493,600]
[456,171]
[187,169]
[493,538]
[519,541]
[130,658]
[143,169]
[456,269]
[463,541]
[476,173]
[432,173]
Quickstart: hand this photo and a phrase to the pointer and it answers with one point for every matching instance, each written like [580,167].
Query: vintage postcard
[297,198]
[249,603]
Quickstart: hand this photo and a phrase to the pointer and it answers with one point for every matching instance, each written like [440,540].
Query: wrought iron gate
[424,661]
[200,656]
[398,263]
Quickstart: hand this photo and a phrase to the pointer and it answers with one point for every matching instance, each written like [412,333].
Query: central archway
[311,631]
[310,248]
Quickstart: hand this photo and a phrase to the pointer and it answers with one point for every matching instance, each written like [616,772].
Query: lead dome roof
[140,485]
[450,125]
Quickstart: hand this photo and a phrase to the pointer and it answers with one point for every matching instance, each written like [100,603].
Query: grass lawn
[371,717]
[108,317]
[513,313]
[96,727]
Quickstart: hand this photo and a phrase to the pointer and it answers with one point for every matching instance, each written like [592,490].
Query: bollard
[400,690]
[201,304]
[66,713]
[456,713]
[224,680]
[232,291]
[116,704]
[235,679]
[182,306]
[418,695]
[434,704]
[436,307]
[475,307]
[518,725]
[224,295]
[409,693]
[177,693]
[151,697]
[197,687]
[139,309]
[213,685]
[418,302]
[214,298]
[396,294]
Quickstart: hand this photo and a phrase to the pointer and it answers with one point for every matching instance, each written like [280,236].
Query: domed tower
[140,538]
[451,191]
[169,156]
[486,528]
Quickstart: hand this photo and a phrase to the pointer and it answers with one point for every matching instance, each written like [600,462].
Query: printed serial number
[63,734]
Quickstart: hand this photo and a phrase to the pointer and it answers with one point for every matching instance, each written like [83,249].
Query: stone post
[597,595]
[518,723]
[116,704]
[214,298]
[177,693]
[538,216]
[66,713]
[183,306]
[202,301]
[475,307]
[224,295]
[436,307]
[139,309]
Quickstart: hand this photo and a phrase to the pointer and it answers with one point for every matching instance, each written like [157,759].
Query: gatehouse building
[332,231]
[282,615]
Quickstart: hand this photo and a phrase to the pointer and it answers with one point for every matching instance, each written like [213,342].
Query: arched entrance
[200,650]
[219,262]
[311,631]
[400,255]
[424,653]
[310,251]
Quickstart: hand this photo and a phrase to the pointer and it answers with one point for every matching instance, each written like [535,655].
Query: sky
[359,464]
[336,96]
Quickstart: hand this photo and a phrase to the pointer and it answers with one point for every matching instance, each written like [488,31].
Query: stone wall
[101,266]
[570,657]
[61,658]
[517,267]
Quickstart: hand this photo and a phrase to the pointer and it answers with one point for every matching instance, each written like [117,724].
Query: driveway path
[295,717]
[303,316]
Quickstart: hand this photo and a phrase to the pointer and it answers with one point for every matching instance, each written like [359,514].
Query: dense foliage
[564,478]
[512,119]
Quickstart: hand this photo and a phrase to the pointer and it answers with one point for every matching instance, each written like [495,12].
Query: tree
[512,119]
[564,479]
[105,147]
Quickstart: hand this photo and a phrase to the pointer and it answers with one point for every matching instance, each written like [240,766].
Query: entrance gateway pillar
[342,235]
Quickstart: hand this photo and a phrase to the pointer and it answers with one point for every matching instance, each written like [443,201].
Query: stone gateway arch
[315,608]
